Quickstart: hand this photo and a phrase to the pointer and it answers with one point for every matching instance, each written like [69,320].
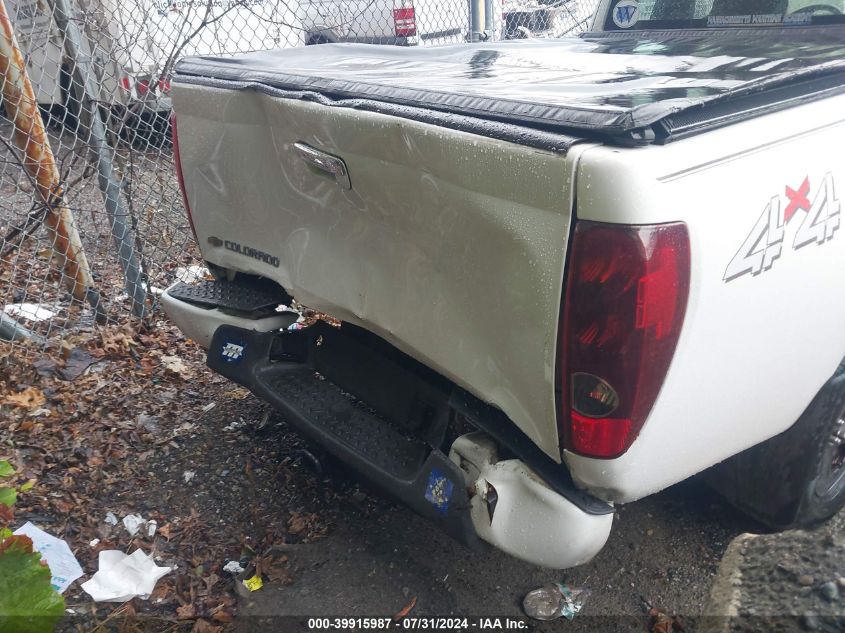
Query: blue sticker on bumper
[232,351]
[438,490]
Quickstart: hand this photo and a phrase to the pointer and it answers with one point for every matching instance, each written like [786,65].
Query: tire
[795,479]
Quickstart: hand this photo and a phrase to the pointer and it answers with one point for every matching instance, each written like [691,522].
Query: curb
[725,595]
[791,580]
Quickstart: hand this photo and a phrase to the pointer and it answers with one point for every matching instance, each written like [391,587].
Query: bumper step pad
[242,295]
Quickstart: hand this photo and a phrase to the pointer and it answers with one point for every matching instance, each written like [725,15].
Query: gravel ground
[366,555]
[143,432]
[792,581]
[226,479]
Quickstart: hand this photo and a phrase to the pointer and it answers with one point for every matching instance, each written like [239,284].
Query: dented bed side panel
[449,245]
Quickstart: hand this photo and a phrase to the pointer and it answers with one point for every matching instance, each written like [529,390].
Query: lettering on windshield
[778,19]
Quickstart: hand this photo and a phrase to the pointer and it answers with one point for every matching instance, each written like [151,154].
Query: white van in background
[134,45]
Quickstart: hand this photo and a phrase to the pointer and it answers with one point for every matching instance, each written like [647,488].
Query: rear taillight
[179,176]
[405,20]
[625,304]
[142,86]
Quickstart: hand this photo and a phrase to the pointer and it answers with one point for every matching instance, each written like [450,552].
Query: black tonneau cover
[605,84]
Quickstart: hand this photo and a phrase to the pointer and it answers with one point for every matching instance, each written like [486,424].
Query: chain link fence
[92,226]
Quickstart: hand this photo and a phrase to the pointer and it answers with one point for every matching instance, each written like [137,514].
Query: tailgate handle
[325,162]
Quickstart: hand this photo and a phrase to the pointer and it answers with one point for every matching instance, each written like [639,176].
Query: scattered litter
[209,407]
[191,274]
[152,524]
[253,584]
[154,290]
[133,523]
[111,519]
[235,425]
[185,427]
[11,330]
[188,475]
[121,577]
[94,543]
[175,364]
[30,311]
[61,561]
[553,601]
[233,567]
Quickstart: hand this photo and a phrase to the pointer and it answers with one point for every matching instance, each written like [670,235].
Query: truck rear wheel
[797,478]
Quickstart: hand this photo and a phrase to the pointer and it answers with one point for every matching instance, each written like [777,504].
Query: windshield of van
[692,14]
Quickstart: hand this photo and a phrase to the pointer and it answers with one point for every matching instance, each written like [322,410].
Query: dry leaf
[186,612]
[29,398]
[204,626]
[222,615]
[238,394]
[405,610]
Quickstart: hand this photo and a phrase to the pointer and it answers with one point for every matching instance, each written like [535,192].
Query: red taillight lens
[164,84]
[179,177]
[142,86]
[404,22]
[625,304]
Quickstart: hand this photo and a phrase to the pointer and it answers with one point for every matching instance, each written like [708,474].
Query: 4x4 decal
[764,244]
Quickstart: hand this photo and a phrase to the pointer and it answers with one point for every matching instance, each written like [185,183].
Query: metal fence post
[488,20]
[477,15]
[30,137]
[86,78]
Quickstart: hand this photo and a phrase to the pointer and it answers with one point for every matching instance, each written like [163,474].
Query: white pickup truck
[562,274]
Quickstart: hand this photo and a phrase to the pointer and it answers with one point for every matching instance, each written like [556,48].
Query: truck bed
[446,231]
[602,84]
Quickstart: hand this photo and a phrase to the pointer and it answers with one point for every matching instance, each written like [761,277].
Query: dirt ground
[377,556]
[782,583]
[226,480]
